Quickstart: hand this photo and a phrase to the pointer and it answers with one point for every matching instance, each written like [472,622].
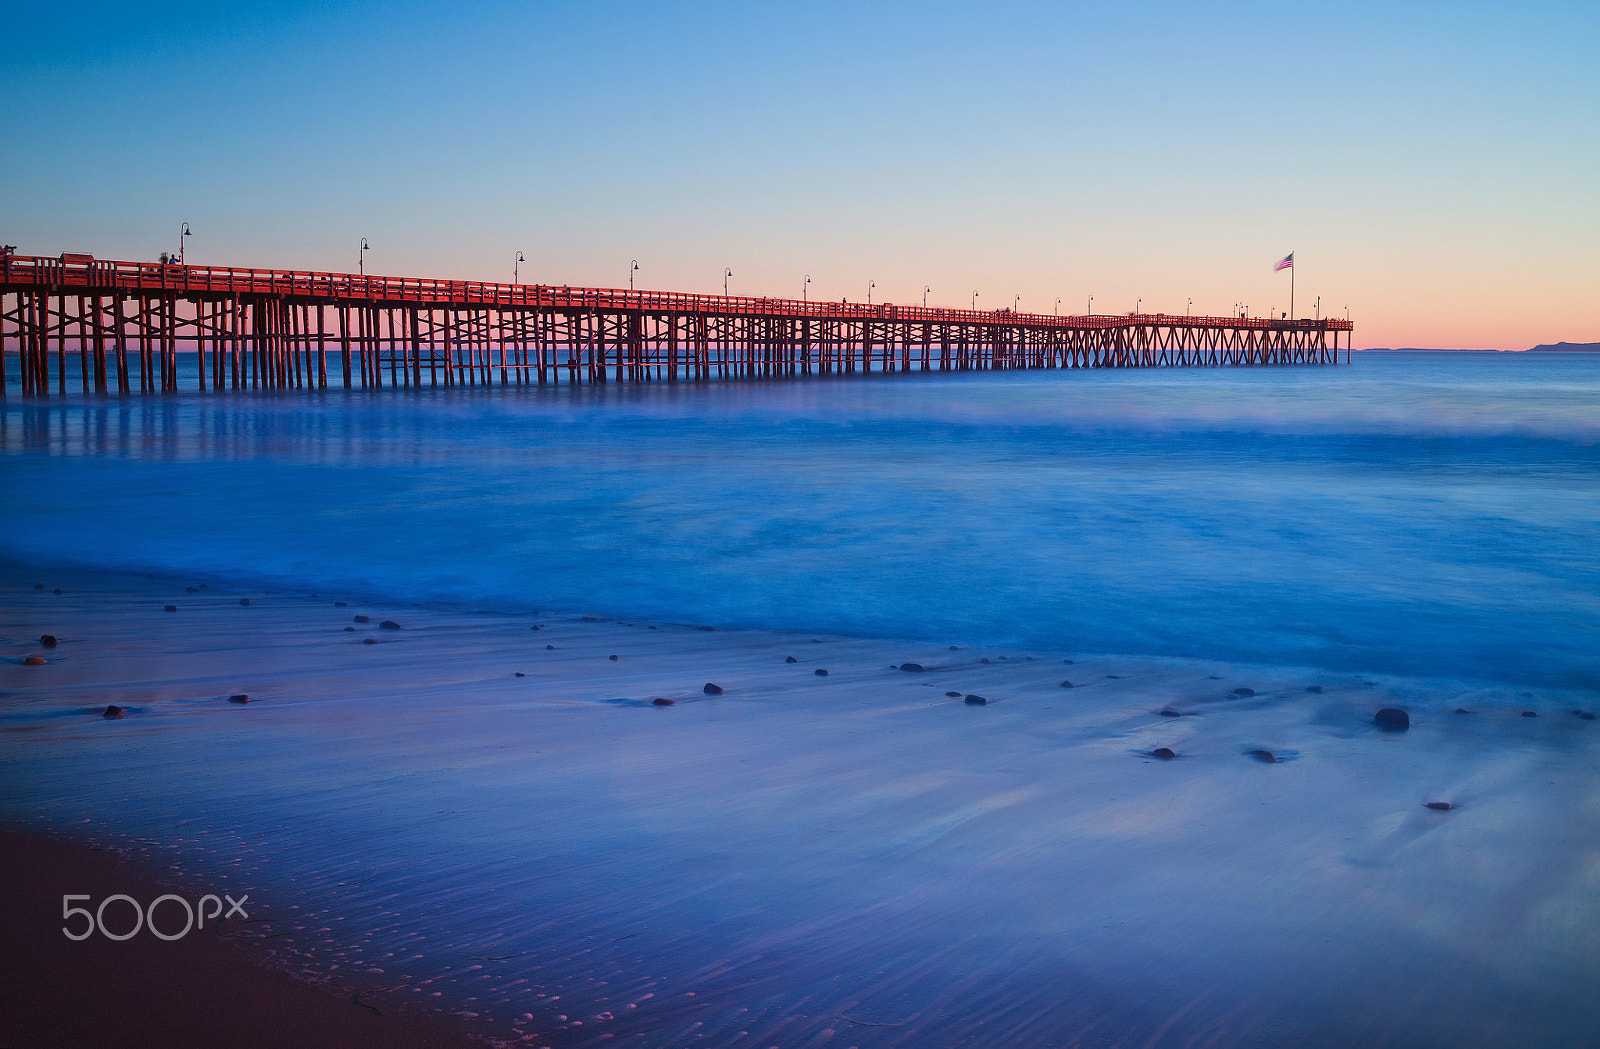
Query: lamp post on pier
[925,290]
[1014,301]
[870,285]
[516,269]
[1136,304]
[1057,310]
[974,302]
[633,267]
[726,273]
[804,288]
[1189,309]
[361,257]
[1316,311]
[183,234]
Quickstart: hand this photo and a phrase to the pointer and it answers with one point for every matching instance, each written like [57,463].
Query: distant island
[1556,347]
[1568,347]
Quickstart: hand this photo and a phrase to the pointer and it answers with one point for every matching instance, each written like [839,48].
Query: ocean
[1414,513]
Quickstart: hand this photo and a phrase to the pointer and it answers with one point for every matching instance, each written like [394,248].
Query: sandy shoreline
[767,839]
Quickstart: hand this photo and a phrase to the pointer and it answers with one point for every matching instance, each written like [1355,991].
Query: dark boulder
[362,619]
[612,658]
[549,647]
[712,690]
[239,697]
[1244,691]
[1314,688]
[1462,710]
[1164,753]
[1264,756]
[34,661]
[661,701]
[340,604]
[370,641]
[913,668]
[790,659]
[388,624]
[1439,806]
[1391,720]
[112,711]
[244,601]
[171,608]
[976,701]
[1067,684]
[1530,714]
[520,674]
[953,695]
[820,672]
[47,640]
[1170,713]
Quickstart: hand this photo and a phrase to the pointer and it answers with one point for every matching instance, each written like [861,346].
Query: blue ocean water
[1416,513]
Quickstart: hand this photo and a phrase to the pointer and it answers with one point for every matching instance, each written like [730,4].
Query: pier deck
[103,326]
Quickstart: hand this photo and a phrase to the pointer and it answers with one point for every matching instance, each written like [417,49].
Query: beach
[479,817]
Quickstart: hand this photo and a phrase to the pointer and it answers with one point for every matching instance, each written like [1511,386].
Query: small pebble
[1392,720]
[239,697]
[47,640]
[663,702]
[1215,677]
[536,628]
[1314,688]
[245,601]
[1170,713]
[816,641]
[40,586]
[1587,715]
[533,628]
[955,648]
[351,629]
[549,647]
[914,668]
[1440,806]
[190,590]
[706,628]
[520,674]
[1066,684]
[388,624]
[1114,677]
[591,619]
[369,641]
[790,659]
[712,690]
[1527,695]
[953,695]
[1462,710]
[1266,756]
[112,711]
[1244,691]
[341,604]
[1529,714]
[362,619]
[34,661]
[172,608]
[57,590]
[612,658]
[1068,662]
[1164,753]
[985,659]
[976,701]
[820,672]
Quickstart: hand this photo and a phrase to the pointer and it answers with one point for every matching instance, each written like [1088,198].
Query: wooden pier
[87,325]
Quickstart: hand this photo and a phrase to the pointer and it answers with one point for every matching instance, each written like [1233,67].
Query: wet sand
[499,826]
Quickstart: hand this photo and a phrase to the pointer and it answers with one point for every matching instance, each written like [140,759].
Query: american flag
[1285,263]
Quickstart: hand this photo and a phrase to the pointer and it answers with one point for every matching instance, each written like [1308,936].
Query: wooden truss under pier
[80,324]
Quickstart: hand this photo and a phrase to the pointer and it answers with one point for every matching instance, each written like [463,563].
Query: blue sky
[1434,166]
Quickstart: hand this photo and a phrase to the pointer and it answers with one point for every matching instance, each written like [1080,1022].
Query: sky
[1434,167]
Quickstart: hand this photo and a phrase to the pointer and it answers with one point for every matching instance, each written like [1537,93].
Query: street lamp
[633,267]
[805,288]
[1347,313]
[1058,306]
[974,301]
[1189,309]
[1316,311]
[516,269]
[870,285]
[1091,305]
[925,290]
[1136,304]
[182,233]
[1015,299]
[361,257]
[726,273]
